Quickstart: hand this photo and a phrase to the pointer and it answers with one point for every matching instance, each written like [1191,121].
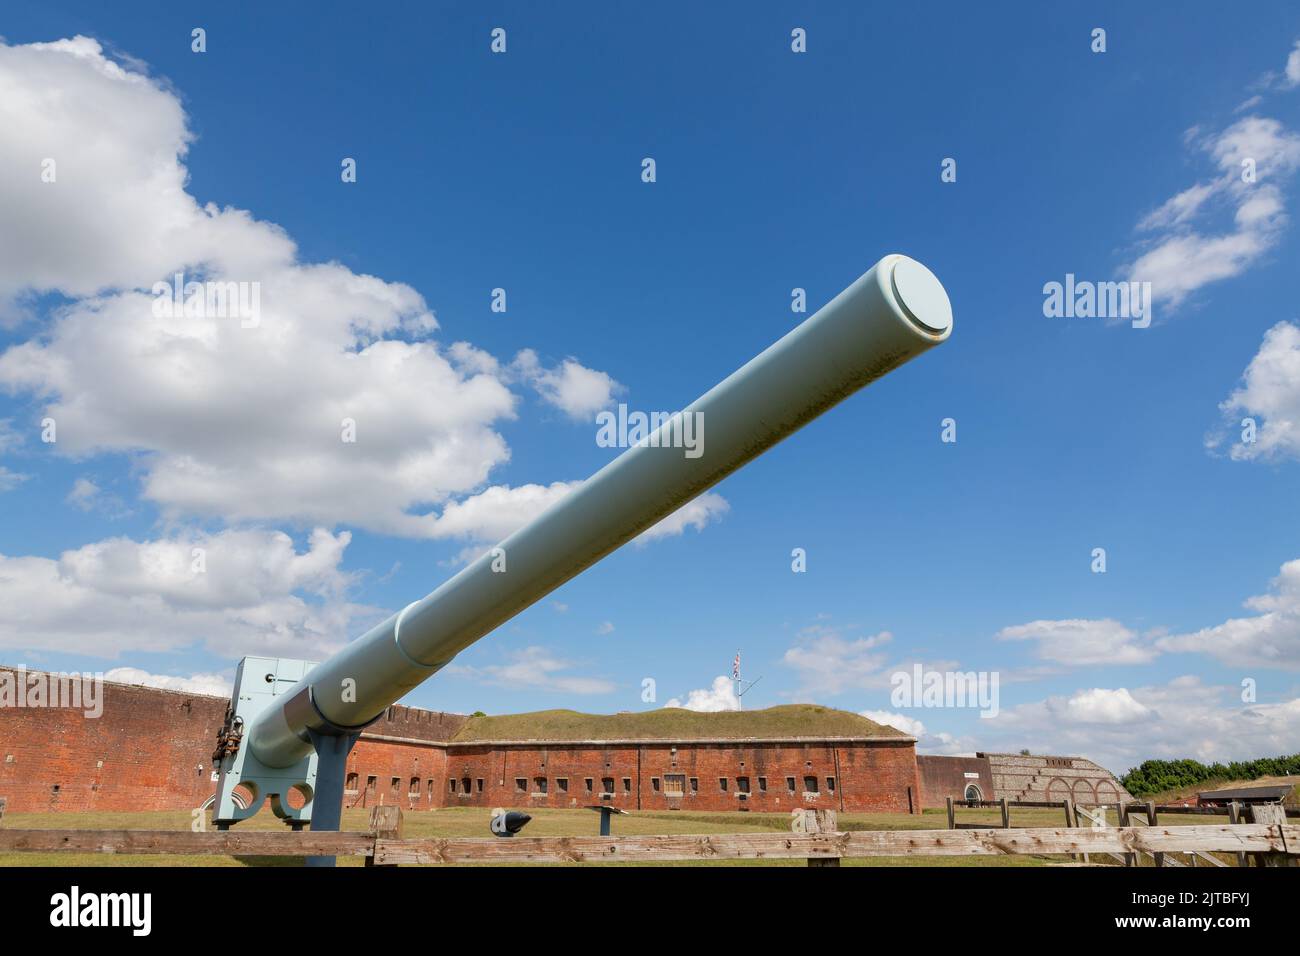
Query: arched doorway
[973,792]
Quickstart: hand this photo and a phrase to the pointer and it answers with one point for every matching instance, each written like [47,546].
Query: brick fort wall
[151,749]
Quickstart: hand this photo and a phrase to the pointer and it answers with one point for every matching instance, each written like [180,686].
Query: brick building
[1030,778]
[152,750]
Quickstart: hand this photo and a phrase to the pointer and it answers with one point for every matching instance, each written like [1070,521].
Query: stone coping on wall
[676,741]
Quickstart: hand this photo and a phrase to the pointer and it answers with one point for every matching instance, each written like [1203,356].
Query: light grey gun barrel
[892,313]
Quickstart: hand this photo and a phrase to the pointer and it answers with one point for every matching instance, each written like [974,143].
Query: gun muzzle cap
[922,296]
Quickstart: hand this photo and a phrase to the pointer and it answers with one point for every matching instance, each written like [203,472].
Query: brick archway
[1107,792]
[1057,789]
[1082,793]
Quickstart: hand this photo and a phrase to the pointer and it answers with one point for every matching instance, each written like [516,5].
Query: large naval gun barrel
[895,311]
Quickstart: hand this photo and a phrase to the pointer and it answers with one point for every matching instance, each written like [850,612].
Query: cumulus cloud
[698,514]
[718,697]
[497,512]
[926,741]
[1184,718]
[1288,78]
[533,668]
[828,663]
[1268,639]
[225,417]
[571,387]
[490,516]
[236,592]
[1270,394]
[908,725]
[1186,248]
[1082,642]
[213,685]
[1102,706]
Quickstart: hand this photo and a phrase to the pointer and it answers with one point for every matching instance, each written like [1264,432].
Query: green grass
[473,822]
[670,723]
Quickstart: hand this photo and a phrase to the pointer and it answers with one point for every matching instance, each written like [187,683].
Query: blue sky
[775,170]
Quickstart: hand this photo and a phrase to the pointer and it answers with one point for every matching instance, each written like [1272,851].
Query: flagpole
[735,676]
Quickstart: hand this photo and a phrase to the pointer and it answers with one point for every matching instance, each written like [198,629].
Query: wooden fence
[821,849]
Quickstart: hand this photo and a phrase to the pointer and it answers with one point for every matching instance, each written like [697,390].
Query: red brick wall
[148,750]
[943,777]
[867,776]
[152,750]
[420,772]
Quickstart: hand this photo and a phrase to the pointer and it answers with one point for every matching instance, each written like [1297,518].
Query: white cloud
[10,480]
[1269,639]
[1119,728]
[83,493]
[698,514]
[118,214]
[241,423]
[828,663]
[499,511]
[720,696]
[1185,252]
[533,668]
[908,725]
[1292,72]
[926,741]
[494,514]
[1082,642]
[1269,393]
[10,437]
[573,388]
[213,685]
[1102,706]
[606,627]
[236,592]
[88,496]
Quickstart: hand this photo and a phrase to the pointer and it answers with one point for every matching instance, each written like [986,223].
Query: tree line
[1157,776]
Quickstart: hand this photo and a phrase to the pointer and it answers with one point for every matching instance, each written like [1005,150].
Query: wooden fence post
[952,816]
[1151,821]
[1006,815]
[1234,817]
[385,824]
[1130,859]
[1271,815]
[817,821]
[1071,820]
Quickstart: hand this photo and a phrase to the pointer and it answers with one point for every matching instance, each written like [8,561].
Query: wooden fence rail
[216,842]
[817,848]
